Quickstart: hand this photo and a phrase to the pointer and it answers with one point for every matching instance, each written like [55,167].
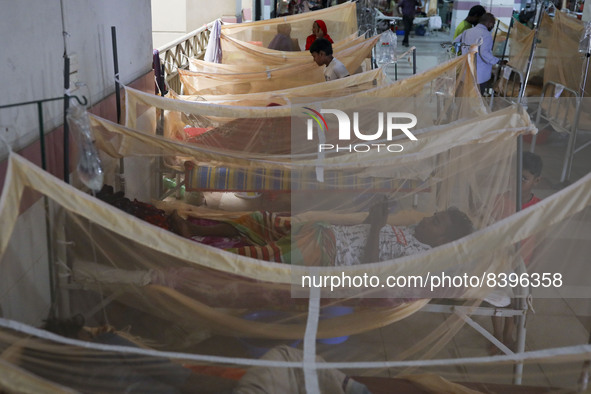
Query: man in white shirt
[321,51]
[484,58]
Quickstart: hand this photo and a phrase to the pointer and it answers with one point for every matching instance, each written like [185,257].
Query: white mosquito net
[290,292]
[184,313]
[251,79]
[339,87]
[341,22]
[241,52]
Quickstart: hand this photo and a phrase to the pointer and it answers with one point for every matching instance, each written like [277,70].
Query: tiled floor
[429,53]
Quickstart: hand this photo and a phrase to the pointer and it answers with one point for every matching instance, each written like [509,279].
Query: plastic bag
[585,42]
[387,47]
[89,166]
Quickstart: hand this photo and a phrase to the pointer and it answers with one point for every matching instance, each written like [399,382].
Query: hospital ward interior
[221,216]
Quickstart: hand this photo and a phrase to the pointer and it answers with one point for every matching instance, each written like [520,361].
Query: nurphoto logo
[347,128]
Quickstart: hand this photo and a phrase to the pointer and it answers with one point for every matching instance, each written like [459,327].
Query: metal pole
[496,31]
[518,368]
[505,46]
[50,268]
[584,378]
[50,260]
[118,102]
[66,127]
[414,61]
[570,149]
[116,69]
[521,303]
[41,135]
[532,52]
[519,173]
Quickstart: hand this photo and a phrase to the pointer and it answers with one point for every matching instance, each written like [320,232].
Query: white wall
[31,60]
[169,21]
[586,14]
[200,12]
[172,19]
[31,68]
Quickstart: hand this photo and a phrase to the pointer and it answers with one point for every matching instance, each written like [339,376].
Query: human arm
[377,218]
[485,51]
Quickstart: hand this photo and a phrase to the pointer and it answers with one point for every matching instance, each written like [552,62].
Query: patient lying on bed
[271,237]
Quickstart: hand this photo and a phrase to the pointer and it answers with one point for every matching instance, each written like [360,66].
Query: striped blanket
[275,238]
[205,178]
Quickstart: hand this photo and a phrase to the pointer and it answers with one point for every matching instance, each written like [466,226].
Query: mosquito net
[282,77]
[339,87]
[518,50]
[557,66]
[362,259]
[557,50]
[163,312]
[520,42]
[564,63]
[341,22]
[263,64]
[266,130]
[239,52]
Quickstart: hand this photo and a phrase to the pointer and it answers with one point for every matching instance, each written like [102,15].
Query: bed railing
[175,54]
[507,85]
[560,108]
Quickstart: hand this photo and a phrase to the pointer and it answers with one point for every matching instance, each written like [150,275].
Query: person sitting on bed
[282,41]
[272,237]
[321,51]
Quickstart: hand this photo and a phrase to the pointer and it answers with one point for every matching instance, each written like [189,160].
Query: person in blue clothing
[480,35]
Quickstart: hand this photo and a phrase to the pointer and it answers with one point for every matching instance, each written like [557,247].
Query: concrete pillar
[267,9]
[586,13]
[238,11]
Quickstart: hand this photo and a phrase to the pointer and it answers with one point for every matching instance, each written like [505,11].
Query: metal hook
[82,103]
